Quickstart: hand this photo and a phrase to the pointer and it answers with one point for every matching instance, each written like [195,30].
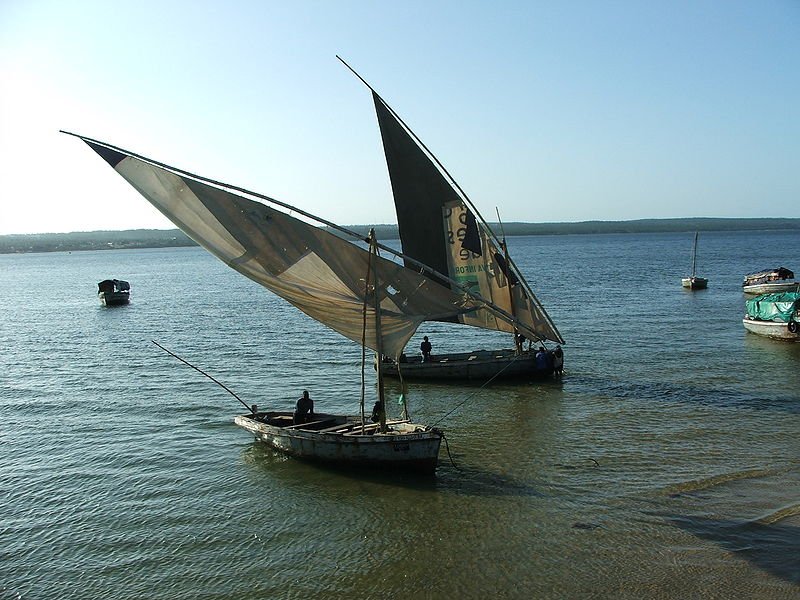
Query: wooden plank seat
[310,424]
[278,420]
[340,428]
[372,427]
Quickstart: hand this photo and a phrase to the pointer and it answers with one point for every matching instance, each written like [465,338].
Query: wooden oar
[222,385]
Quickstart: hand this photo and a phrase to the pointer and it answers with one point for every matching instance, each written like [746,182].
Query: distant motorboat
[694,282]
[770,281]
[114,292]
[774,315]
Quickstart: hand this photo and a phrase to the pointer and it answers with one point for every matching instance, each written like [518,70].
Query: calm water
[665,465]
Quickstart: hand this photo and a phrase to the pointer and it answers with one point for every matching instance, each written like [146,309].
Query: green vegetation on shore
[158,238]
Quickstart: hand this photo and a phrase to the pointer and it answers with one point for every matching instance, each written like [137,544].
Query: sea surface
[665,463]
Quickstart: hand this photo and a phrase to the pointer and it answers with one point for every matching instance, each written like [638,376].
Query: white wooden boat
[770,281]
[693,282]
[440,226]
[775,316]
[776,330]
[114,292]
[347,442]
[365,297]
[772,288]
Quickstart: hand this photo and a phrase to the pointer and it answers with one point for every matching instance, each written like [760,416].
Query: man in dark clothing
[519,340]
[304,411]
[542,360]
[377,411]
[426,348]
[558,361]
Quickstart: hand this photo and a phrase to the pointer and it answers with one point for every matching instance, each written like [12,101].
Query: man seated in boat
[426,348]
[304,411]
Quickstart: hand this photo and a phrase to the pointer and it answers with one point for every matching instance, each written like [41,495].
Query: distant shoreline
[174,238]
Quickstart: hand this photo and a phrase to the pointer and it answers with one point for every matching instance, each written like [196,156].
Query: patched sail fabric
[321,274]
[438,229]
[475,261]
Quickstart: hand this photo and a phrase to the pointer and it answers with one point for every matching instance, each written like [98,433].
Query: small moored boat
[694,282]
[114,292]
[774,315]
[770,281]
[346,441]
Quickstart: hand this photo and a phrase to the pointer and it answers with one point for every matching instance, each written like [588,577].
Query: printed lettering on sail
[470,258]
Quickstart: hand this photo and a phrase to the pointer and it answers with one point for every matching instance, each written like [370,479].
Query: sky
[548,111]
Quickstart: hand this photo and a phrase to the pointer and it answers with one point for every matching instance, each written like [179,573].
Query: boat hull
[406,446]
[694,283]
[772,288]
[480,365]
[114,298]
[776,330]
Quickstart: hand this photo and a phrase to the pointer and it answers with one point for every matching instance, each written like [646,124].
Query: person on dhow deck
[558,361]
[304,411]
[426,348]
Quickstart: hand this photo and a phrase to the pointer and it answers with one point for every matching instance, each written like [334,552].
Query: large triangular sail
[320,273]
[440,227]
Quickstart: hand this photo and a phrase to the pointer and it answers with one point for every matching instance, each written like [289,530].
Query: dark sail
[420,192]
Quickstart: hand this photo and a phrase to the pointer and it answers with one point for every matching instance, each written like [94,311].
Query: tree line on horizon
[167,238]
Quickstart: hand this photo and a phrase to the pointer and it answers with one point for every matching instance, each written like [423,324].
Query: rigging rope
[446,445]
[468,398]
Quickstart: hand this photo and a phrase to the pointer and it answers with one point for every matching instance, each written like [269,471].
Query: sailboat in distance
[693,282]
[439,226]
[363,296]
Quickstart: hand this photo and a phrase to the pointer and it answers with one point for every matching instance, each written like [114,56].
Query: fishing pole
[222,385]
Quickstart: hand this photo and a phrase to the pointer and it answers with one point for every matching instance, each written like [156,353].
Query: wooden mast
[517,347]
[373,249]
[364,334]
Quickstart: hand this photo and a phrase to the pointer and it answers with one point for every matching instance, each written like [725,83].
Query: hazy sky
[551,111]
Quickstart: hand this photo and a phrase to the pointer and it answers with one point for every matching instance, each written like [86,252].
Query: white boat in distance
[693,282]
[439,226]
[770,281]
[374,301]
[774,315]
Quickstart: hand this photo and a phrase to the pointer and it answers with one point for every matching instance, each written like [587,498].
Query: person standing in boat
[519,341]
[426,348]
[377,412]
[558,361]
[543,361]
[304,411]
